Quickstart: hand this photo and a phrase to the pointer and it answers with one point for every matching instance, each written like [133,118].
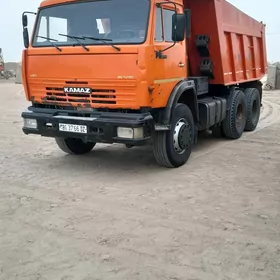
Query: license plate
[72,128]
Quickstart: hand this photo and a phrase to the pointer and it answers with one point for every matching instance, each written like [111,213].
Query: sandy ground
[114,214]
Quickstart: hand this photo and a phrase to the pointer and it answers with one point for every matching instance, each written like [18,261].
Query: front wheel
[173,148]
[74,146]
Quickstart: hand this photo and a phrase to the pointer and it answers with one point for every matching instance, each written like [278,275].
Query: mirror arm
[170,2]
[31,13]
[24,15]
[174,43]
[159,54]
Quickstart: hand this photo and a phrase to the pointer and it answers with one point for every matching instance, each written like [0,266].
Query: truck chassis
[173,129]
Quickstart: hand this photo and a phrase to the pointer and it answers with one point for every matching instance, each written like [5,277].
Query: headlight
[130,133]
[30,123]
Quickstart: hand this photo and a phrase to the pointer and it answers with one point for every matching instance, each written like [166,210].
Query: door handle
[181,64]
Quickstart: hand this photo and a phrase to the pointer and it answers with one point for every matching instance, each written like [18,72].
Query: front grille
[113,94]
[98,96]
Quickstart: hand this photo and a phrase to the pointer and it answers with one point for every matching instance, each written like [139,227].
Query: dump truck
[142,72]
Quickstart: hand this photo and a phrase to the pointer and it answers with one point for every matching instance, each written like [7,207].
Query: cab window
[163,30]
[158,32]
[167,23]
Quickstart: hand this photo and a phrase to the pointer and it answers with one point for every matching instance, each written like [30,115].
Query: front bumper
[101,126]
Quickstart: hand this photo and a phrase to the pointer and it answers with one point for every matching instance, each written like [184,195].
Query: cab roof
[53,2]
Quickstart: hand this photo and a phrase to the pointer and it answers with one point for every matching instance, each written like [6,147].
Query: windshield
[118,22]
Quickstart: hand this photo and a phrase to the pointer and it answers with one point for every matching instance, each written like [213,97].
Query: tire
[234,123]
[74,146]
[172,148]
[253,108]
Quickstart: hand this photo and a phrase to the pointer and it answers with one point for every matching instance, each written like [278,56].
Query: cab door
[170,67]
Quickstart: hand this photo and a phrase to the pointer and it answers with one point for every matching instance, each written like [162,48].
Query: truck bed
[236,47]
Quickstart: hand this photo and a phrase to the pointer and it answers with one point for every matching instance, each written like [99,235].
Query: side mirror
[188,23]
[24,20]
[178,27]
[25,37]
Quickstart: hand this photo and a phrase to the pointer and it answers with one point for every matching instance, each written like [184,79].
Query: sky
[11,30]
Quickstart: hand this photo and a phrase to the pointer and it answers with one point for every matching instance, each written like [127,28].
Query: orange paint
[237,41]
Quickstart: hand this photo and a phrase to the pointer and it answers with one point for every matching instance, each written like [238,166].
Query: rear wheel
[234,123]
[74,146]
[253,108]
[173,148]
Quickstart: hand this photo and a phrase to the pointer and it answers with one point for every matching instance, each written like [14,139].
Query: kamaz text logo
[77,90]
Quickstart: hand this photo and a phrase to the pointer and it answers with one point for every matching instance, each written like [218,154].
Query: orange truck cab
[140,71]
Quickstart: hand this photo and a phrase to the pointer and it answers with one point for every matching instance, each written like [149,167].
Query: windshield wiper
[77,39]
[105,41]
[50,40]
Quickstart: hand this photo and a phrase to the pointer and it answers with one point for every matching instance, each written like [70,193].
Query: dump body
[237,42]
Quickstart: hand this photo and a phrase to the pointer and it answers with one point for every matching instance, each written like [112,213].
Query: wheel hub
[182,136]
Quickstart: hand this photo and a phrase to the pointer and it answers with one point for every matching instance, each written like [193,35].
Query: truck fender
[178,90]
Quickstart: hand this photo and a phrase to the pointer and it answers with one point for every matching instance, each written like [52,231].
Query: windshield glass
[118,22]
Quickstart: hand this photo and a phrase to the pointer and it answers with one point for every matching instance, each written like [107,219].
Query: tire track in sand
[270,115]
